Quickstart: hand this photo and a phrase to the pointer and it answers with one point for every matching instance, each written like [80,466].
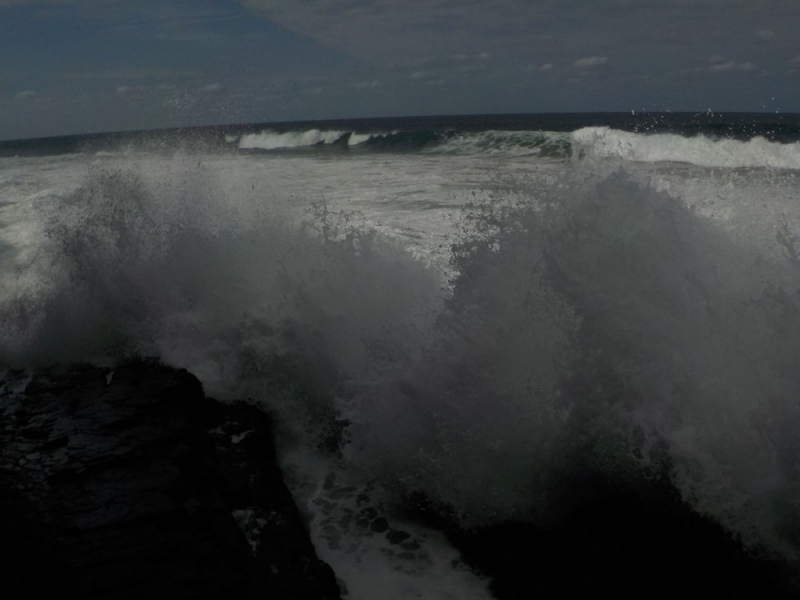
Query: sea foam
[699,150]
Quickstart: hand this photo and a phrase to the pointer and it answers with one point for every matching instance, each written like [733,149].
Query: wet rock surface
[617,544]
[129,483]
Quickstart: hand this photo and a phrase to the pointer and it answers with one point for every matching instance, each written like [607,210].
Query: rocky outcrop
[617,542]
[129,483]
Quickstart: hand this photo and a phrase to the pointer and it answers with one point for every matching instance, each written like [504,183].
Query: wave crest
[604,142]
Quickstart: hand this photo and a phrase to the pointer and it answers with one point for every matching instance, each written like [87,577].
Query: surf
[605,317]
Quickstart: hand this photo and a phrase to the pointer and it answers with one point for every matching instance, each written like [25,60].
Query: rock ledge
[130,483]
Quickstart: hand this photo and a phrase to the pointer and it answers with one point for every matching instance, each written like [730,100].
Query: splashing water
[607,320]
[604,326]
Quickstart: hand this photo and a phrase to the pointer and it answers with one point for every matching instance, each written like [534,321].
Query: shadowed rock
[616,543]
[131,484]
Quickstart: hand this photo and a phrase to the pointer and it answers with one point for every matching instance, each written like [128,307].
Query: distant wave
[604,142]
[269,140]
[545,144]
[512,143]
[272,140]
[585,143]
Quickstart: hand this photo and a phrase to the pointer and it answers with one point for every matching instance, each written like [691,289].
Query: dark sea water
[479,311]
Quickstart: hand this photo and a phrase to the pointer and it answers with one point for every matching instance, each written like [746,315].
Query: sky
[80,66]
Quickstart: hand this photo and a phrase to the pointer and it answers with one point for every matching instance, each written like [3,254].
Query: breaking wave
[585,143]
[701,150]
[270,140]
[543,144]
[594,324]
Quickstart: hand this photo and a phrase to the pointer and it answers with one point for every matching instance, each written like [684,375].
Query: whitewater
[472,313]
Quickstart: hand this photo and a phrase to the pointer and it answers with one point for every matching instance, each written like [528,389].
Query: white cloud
[211,87]
[795,61]
[428,77]
[765,34]
[728,66]
[590,62]
[24,95]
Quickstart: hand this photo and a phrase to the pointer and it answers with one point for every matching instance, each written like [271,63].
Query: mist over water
[599,316]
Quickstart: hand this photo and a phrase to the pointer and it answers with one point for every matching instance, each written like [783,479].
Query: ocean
[477,310]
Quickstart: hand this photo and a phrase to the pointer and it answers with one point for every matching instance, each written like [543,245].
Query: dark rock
[131,484]
[397,537]
[621,544]
[379,525]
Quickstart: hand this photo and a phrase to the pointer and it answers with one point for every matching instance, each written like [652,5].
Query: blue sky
[77,66]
